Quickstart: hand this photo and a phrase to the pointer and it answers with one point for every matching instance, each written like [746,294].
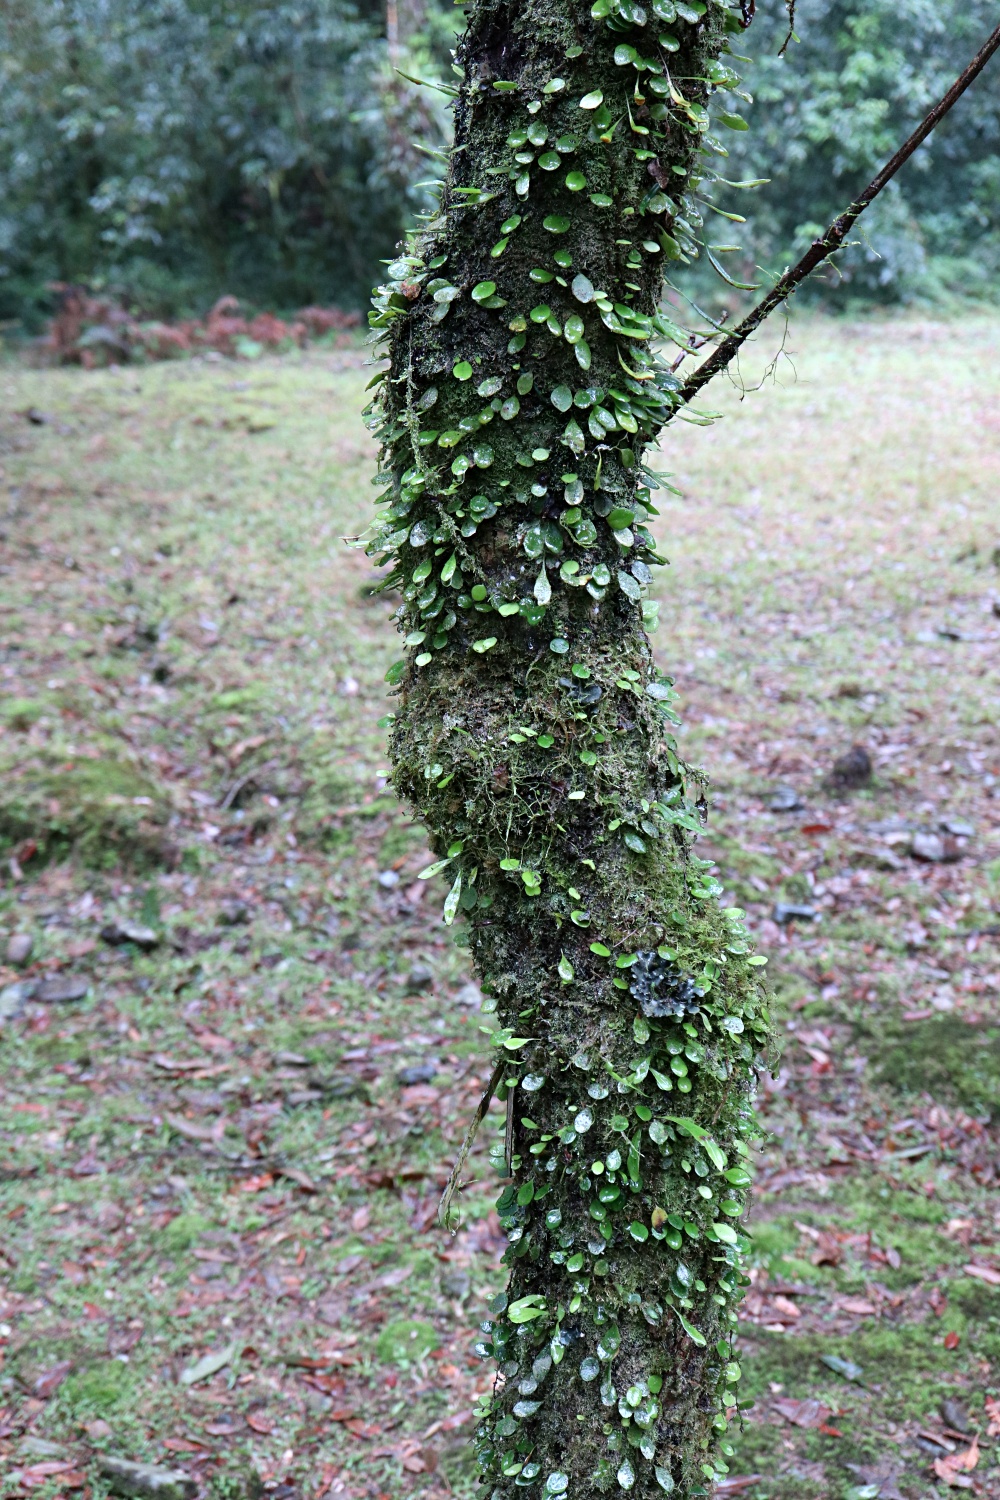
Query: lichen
[525,384]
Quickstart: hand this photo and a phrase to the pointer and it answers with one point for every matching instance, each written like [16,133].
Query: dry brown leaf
[993,1413]
[984,1273]
[955,1468]
[806,1413]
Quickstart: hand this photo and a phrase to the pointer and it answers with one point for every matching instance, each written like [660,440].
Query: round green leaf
[593,100]
[463,370]
[562,398]
[576,182]
[555,223]
[483,290]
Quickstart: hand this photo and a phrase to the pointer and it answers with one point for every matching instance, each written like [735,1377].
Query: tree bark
[533,733]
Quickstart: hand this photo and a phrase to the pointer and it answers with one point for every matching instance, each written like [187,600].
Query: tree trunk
[533,733]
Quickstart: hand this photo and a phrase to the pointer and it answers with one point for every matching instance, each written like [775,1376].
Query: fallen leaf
[859,1306]
[260,1423]
[195,1132]
[209,1364]
[984,1273]
[50,1380]
[954,1468]
[361,1218]
[294,1174]
[785,1309]
[256,1184]
[951,1340]
[992,1406]
[806,1413]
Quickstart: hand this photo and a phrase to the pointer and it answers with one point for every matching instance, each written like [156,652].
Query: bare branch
[819,250]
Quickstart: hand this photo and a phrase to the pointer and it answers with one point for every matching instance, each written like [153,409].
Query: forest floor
[240,1057]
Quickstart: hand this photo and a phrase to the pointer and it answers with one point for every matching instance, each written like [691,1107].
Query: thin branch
[838,230]
[444,1208]
[790,7]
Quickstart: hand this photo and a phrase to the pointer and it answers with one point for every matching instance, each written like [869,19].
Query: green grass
[213,1150]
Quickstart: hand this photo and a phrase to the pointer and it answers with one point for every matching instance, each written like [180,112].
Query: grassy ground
[233,1144]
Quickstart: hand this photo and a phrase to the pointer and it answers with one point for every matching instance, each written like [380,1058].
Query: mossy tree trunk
[533,731]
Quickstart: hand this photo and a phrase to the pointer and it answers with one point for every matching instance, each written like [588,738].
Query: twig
[230,796]
[838,230]
[444,1207]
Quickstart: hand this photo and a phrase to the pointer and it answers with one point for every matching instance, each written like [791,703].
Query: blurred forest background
[172,152]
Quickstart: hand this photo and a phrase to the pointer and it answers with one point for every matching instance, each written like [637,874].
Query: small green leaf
[527,1308]
[558,645]
[573,330]
[463,370]
[555,223]
[483,290]
[593,100]
[509,225]
[562,398]
[395,673]
[434,869]
[499,248]
[726,1233]
[694,1334]
[575,181]
[601,200]
[451,901]
[600,950]
[620,517]
[735,122]
[566,970]
[486,644]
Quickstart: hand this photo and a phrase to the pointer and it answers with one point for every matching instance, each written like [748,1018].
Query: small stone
[62,989]
[785,799]
[36,1447]
[19,948]
[420,1073]
[123,1477]
[98,1429]
[853,769]
[470,995]
[958,827]
[13,997]
[388,878]
[291,1059]
[420,978]
[233,914]
[457,1283]
[956,1416]
[784,913]
[935,848]
[117,933]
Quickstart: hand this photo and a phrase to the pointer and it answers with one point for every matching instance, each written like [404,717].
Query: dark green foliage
[829,113]
[176,150]
[534,732]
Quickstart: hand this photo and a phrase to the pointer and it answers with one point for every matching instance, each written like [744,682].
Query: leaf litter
[164,1154]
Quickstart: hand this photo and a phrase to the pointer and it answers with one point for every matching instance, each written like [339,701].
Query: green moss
[97,1390]
[103,809]
[944,1057]
[404,1340]
[183,1231]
